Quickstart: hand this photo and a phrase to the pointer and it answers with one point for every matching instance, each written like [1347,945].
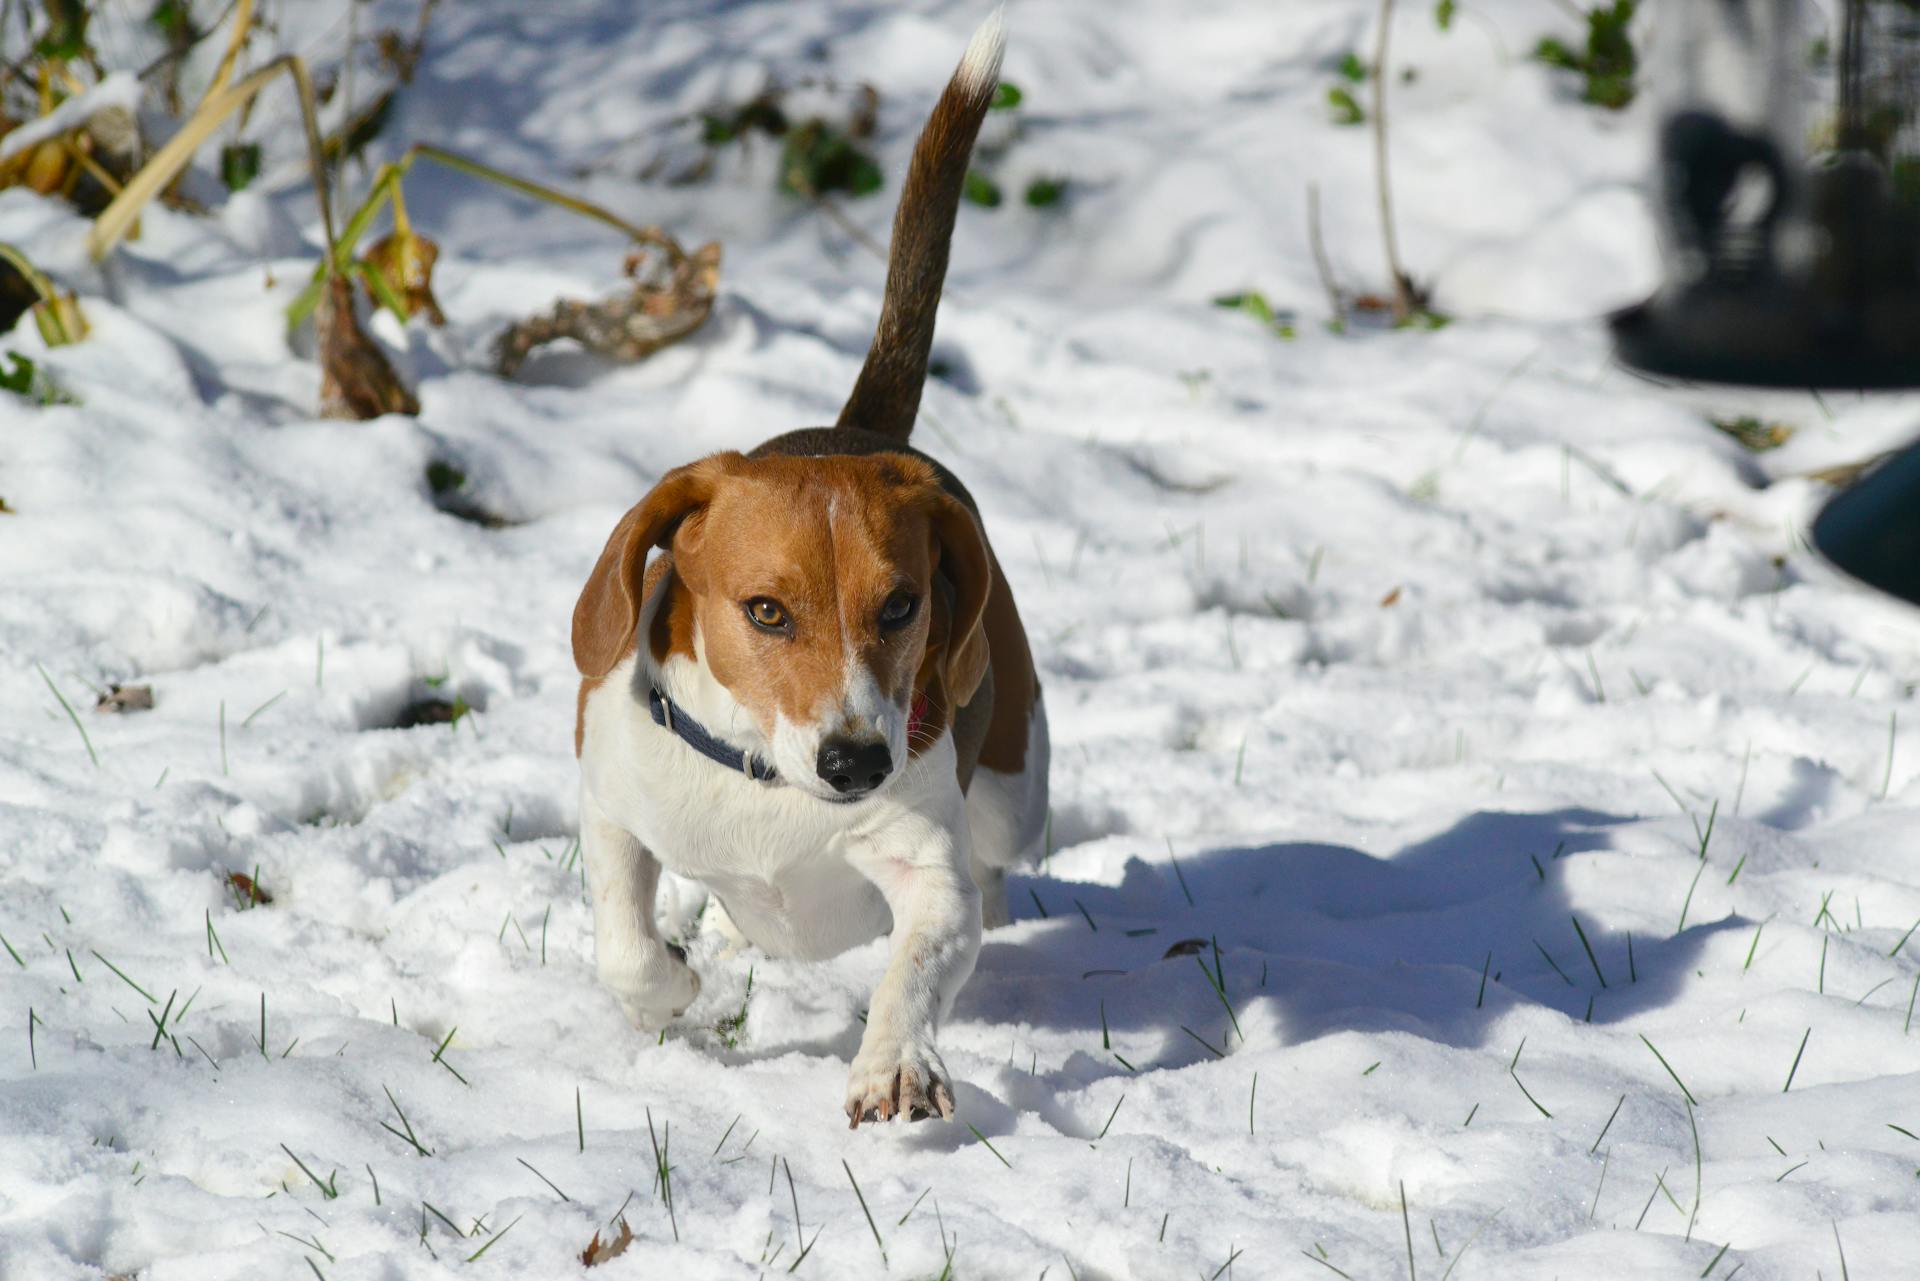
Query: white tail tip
[979,69]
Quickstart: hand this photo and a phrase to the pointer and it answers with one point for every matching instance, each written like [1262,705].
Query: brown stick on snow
[1404,301]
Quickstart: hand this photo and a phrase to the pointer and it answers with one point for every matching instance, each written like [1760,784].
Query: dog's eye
[898,610]
[767,614]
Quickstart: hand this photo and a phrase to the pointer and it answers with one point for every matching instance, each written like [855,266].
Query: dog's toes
[655,994]
[911,1089]
[936,1100]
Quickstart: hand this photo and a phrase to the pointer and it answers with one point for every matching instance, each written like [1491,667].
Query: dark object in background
[1872,530]
[1790,269]
[1784,268]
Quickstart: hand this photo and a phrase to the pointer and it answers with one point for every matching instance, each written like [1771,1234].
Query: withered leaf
[247,888]
[356,379]
[406,259]
[47,166]
[598,1251]
[1391,598]
[126,698]
[671,297]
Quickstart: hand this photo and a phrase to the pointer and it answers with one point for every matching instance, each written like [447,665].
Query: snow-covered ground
[1436,659]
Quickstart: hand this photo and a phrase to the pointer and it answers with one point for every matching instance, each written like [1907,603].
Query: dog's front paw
[654,994]
[901,1079]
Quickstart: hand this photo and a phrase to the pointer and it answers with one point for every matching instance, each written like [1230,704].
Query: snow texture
[1482,701]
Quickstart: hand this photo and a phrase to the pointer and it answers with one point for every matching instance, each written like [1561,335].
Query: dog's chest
[776,859]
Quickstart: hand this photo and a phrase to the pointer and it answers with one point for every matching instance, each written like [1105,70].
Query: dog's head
[825,594]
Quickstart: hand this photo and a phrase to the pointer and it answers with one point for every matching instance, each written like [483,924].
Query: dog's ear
[608,611]
[961,553]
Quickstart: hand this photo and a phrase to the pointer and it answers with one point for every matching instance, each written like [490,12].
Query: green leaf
[19,380]
[443,476]
[981,190]
[1611,92]
[1555,53]
[1044,193]
[1346,111]
[27,381]
[1253,302]
[170,16]
[1608,60]
[1352,68]
[66,37]
[1443,14]
[817,158]
[1006,96]
[239,164]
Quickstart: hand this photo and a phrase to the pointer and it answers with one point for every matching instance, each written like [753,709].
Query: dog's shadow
[1313,940]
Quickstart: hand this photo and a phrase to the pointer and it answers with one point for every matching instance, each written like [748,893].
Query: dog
[817,700]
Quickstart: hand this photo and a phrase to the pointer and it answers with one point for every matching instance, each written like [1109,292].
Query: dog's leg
[651,983]
[1007,817]
[921,867]
[993,894]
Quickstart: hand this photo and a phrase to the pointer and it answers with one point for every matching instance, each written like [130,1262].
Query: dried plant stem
[386,186]
[1404,304]
[166,164]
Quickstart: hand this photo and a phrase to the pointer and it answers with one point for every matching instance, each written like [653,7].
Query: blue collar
[670,715]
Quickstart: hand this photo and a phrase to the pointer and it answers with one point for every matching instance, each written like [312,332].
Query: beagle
[818,700]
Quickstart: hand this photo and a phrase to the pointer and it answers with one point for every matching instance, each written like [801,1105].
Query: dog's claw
[912,1090]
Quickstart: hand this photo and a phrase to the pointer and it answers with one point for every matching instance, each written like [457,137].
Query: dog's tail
[886,397]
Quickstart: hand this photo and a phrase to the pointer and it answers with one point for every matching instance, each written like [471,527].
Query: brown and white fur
[815,601]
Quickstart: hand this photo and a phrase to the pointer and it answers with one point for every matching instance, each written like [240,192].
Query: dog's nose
[851,768]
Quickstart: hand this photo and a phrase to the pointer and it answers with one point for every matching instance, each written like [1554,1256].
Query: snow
[1414,649]
[120,91]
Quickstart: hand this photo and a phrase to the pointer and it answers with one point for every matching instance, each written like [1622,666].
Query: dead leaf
[247,888]
[406,259]
[126,698]
[598,1251]
[1391,598]
[46,168]
[671,297]
[356,379]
